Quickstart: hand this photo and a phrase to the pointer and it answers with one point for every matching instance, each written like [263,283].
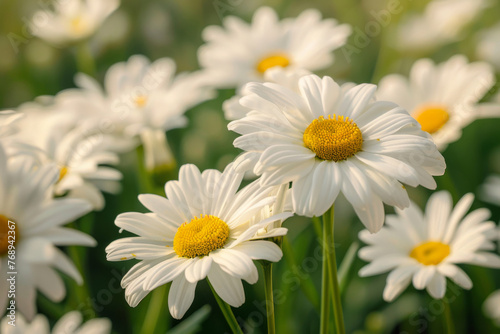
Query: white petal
[260,250]
[229,288]
[180,297]
[198,269]
[423,277]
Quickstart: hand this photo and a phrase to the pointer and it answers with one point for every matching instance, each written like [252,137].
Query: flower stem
[84,60]
[447,320]
[331,266]
[325,289]
[228,313]
[156,308]
[268,282]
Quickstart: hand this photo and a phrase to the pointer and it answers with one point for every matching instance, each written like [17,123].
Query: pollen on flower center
[200,236]
[272,61]
[430,253]
[4,234]
[140,101]
[432,118]
[77,25]
[336,138]
[62,173]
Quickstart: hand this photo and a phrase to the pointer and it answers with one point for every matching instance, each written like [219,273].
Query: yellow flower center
[432,118]
[200,236]
[140,101]
[78,25]
[62,173]
[336,138]
[430,253]
[4,234]
[272,61]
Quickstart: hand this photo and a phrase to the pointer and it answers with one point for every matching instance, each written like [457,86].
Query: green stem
[329,251]
[447,319]
[306,285]
[226,310]
[325,287]
[84,60]
[155,309]
[268,282]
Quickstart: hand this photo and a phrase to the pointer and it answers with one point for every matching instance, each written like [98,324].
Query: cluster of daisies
[305,140]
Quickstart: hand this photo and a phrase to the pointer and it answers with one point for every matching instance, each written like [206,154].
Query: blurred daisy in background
[71,20]
[55,136]
[70,323]
[442,22]
[242,52]
[425,248]
[140,100]
[443,98]
[26,193]
[490,190]
[491,307]
[325,141]
[488,46]
[206,228]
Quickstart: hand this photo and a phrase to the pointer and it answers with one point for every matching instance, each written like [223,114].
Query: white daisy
[26,194]
[79,150]
[425,248]
[206,228]
[442,22]
[8,122]
[242,52]
[71,20]
[140,99]
[491,307]
[70,323]
[324,141]
[443,98]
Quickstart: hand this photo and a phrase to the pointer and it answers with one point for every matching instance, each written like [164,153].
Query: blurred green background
[173,29]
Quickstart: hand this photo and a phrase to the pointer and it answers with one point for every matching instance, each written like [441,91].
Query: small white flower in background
[441,23]
[26,192]
[490,190]
[8,120]
[140,99]
[70,323]
[71,20]
[491,307]
[206,228]
[426,247]
[443,98]
[488,47]
[242,52]
[327,140]
[55,136]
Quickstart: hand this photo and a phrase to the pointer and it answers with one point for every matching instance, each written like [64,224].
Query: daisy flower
[426,248]
[70,323]
[71,20]
[206,228]
[55,137]
[325,140]
[441,23]
[241,52]
[443,98]
[27,204]
[491,307]
[133,102]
